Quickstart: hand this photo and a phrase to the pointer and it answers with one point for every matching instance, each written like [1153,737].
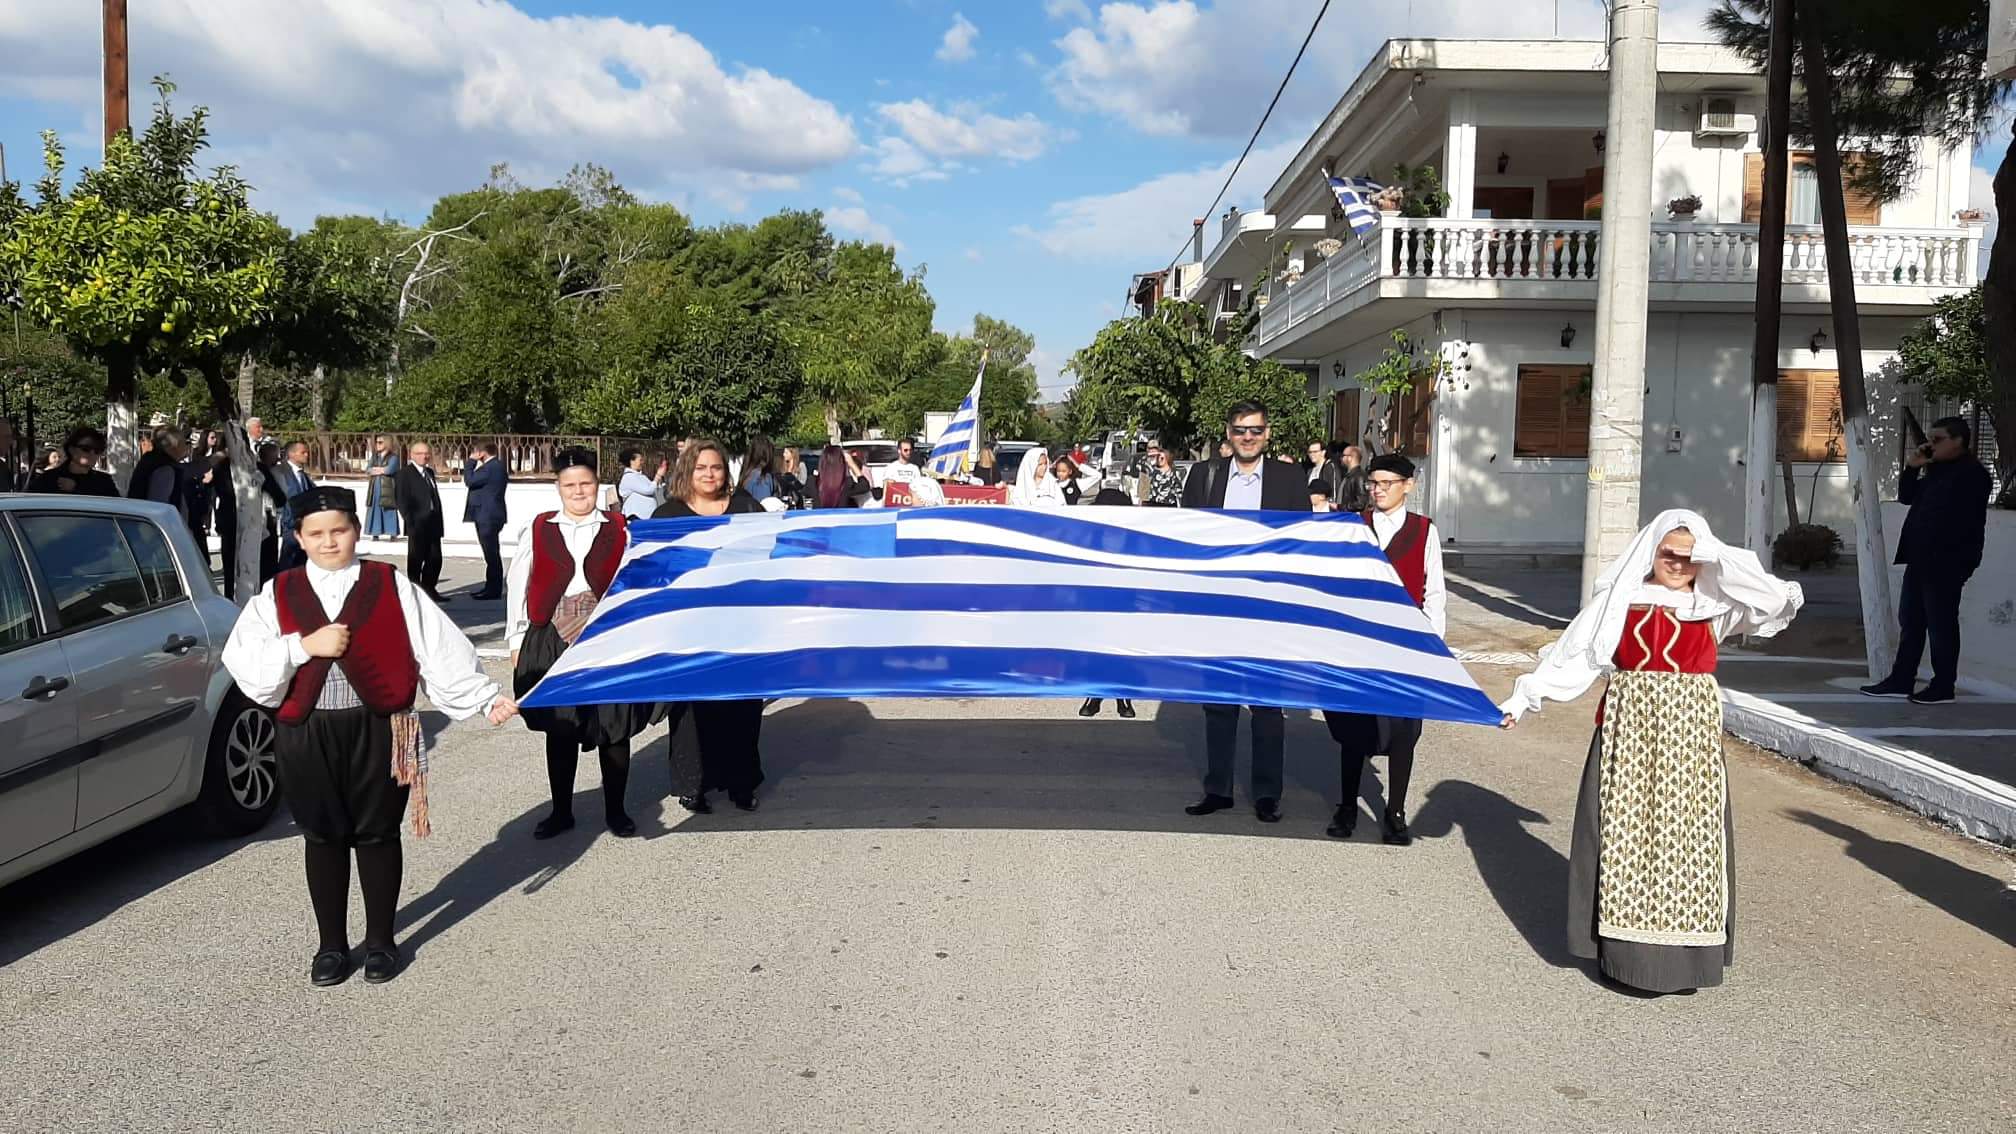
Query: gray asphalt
[993,915]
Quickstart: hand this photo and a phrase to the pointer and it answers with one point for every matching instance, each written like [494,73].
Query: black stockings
[378,870]
[1399,772]
[563,755]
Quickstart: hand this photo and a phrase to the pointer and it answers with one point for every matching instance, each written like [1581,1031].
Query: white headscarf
[1034,486]
[1733,592]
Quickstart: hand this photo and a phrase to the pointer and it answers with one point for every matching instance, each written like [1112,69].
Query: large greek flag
[956,449]
[1252,608]
[1354,195]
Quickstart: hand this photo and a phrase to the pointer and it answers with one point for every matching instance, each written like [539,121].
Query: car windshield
[874,452]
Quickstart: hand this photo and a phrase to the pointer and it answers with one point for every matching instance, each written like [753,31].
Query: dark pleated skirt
[590,726]
[729,736]
[1654,968]
[336,774]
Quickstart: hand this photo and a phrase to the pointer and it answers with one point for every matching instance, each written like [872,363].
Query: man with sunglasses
[79,474]
[1245,480]
[1411,544]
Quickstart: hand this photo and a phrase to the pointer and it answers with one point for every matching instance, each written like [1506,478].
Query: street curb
[1976,805]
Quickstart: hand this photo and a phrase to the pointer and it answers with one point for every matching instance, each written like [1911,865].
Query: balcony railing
[1549,254]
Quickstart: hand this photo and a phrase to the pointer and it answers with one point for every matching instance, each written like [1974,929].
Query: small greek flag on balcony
[1354,196]
[956,449]
[1162,604]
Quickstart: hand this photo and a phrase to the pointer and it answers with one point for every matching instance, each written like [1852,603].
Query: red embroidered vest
[1409,554]
[553,564]
[379,664]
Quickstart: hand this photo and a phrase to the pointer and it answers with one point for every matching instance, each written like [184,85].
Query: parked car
[115,707]
[874,457]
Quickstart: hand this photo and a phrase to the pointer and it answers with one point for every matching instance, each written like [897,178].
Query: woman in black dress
[727,730]
[565,561]
[79,474]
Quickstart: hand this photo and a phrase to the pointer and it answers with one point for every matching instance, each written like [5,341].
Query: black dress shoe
[553,825]
[1396,828]
[438,597]
[1344,824]
[1888,688]
[332,967]
[1267,810]
[744,800]
[1090,708]
[622,826]
[1933,695]
[381,965]
[697,804]
[487,595]
[1126,709]
[1209,804]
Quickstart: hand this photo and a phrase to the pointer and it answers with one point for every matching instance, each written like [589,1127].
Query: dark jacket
[738,503]
[62,481]
[1284,487]
[156,477]
[1949,515]
[1346,488]
[419,498]
[486,485]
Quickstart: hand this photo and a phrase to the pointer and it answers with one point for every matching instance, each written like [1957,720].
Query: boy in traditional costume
[340,649]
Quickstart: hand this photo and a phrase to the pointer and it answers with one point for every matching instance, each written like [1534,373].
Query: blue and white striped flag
[1250,608]
[1354,196]
[959,446]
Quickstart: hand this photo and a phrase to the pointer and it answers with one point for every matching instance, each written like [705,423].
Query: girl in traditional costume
[1651,873]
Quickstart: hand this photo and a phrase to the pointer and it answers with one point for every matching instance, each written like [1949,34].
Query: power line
[1271,103]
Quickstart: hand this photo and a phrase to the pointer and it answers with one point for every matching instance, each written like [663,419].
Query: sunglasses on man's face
[1247,430]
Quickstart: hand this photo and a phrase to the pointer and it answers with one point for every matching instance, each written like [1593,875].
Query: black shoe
[1267,810]
[1933,695]
[485,595]
[381,965]
[332,967]
[438,597]
[1344,824]
[1126,709]
[1209,804]
[744,800]
[622,826]
[1887,688]
[1090,708]
[697,804]
[1396,828]
[553,825]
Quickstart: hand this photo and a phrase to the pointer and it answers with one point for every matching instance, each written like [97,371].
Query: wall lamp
[1599,141]
[1818,342]
[1567,336]
[1504,161]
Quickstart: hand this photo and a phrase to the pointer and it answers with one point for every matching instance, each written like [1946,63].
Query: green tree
[863,334]
[1948,352]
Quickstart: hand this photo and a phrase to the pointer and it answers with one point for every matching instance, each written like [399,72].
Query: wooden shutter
[1862,208]
[1344,416]
[1552,412]
[1592,191]
[1565,198]
[1809,417]
[1753,188]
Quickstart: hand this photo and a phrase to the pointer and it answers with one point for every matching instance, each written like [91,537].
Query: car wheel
[241,772]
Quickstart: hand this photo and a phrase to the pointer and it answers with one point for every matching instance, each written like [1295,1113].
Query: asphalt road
[995,916]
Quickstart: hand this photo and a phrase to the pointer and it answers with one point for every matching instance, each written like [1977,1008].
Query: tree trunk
[1770,293]
[1879,619]
[318,406]
[247,369]
[832,424]
[122,416]
[1998,307]
[246,488]
[1790,478]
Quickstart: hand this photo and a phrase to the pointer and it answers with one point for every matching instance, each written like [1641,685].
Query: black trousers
[1929,607]
[1221,749]
[730,737]
[1360,736]
[493,558]
[423,551]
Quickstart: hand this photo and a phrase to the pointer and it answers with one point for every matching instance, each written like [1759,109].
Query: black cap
[327,498]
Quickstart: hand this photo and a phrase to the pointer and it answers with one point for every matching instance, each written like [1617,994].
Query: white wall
[1987,605]
[522,501]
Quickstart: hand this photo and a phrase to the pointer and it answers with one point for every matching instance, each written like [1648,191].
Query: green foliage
[1005,396]
[863,334]
[1948,352]
[1806,546]
[1424,196]
[68,389]
[1400,370]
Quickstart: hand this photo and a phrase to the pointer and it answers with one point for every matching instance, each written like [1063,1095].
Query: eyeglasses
[1386,483]
[1246,430]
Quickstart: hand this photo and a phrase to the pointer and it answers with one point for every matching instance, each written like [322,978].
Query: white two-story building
[1502,288]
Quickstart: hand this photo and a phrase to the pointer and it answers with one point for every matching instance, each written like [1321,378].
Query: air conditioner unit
[1719,119]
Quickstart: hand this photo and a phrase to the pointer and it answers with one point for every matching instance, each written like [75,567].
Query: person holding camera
[1947,490]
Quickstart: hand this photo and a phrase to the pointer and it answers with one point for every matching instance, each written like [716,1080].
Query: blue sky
[1031,153]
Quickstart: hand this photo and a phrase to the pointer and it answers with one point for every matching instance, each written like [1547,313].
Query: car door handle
[179,644]
[45,686]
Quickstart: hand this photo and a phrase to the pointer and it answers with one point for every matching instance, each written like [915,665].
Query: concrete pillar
[1459,157]
[1617,406]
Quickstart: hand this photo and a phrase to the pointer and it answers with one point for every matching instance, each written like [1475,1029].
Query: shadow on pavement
[1963,893]
[1541,609]
[1527,878]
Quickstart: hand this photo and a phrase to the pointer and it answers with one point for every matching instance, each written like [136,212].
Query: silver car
[115,707]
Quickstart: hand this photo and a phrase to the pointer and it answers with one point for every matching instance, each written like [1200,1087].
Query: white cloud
[966,132]
[1149,221]
[447,87]
[851,196]
[853,220]
[900,163]
[973,255]
[1067,10]
[957,46]
[1142,62]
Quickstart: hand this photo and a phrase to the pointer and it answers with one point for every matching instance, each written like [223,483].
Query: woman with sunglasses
[79,474]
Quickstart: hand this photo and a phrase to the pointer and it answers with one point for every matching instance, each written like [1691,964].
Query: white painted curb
[1978,806]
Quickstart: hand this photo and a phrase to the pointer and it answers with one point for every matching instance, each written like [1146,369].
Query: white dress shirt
[580,533]
[1242,489]
[262,660]
[1435,594]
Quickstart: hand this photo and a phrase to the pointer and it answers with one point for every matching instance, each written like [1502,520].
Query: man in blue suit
[292,474]
[485,479]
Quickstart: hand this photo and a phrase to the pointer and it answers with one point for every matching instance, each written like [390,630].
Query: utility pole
[1879,618]
[117,117]
[1758,469]
[1623,270]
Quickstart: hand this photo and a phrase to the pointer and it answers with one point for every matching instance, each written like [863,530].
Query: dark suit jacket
[292,483]
[1284,487]
[485,508]
[419,498]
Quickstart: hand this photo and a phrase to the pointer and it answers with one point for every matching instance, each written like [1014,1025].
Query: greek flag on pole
[957,448]
[1249,608]
[1354,196]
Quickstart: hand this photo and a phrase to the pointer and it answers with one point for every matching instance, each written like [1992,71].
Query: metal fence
[530,455]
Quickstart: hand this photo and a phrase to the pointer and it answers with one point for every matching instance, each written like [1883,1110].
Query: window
[86,564]
[1407,420]
[1809,417]
[1552,416]
[1802,200]
[1344,415]
[17,601]
[157,563]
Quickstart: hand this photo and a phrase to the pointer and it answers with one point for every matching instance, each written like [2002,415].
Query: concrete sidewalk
[1796,695]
